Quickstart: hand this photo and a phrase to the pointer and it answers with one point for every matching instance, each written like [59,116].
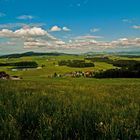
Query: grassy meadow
[51,66]
[43,108]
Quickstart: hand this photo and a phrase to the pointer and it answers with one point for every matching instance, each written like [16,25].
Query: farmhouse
[74,74]
[88,74]
[68,74]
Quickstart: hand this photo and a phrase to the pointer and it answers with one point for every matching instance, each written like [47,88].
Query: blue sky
[76,25]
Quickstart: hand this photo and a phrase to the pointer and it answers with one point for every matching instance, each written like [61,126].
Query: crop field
[40,107]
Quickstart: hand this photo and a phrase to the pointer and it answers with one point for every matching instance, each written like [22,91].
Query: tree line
[131,71]
[23,64]
[75,63]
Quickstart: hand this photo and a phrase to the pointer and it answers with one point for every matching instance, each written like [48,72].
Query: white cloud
[25,17]
[60,42]
[39,43]
[58,29]
[94,30]
[24,32]
[66,29]
[19,25]
[35,43]
[35,31]
[36,37]
[102,45]
[55,29]
[125,42]
[136,27]
[88,37]
[6,33]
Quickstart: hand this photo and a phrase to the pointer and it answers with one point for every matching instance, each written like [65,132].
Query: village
[75,74]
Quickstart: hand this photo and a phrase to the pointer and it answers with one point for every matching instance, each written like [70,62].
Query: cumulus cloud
[55,29]
[58,29]
[25,17]
[6,33]
[36,37]
[24,32]
[35,31]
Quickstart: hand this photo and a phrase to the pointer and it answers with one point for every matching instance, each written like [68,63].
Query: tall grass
[60,109]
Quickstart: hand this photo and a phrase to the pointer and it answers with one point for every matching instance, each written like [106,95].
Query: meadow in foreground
[70,109]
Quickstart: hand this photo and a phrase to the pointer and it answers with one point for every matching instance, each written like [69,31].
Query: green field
[51,67]
[43,108]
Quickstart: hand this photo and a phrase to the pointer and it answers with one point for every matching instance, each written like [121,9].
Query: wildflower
[101,123]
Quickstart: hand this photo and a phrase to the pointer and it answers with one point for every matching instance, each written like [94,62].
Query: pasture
[41,108]
[51,66]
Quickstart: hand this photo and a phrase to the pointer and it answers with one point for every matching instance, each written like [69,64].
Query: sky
[73,26]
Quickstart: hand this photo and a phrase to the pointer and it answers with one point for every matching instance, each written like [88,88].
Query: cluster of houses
[5,76]
[76,74]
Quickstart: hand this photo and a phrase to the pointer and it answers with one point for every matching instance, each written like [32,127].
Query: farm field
[51,65]
[41,107]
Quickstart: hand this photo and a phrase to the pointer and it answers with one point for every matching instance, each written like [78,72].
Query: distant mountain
[129,53]
[18,55]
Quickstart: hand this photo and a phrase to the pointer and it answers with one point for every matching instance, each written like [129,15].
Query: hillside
[18,55]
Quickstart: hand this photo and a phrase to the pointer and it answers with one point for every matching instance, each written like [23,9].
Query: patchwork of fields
[39,107]
[51,66]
